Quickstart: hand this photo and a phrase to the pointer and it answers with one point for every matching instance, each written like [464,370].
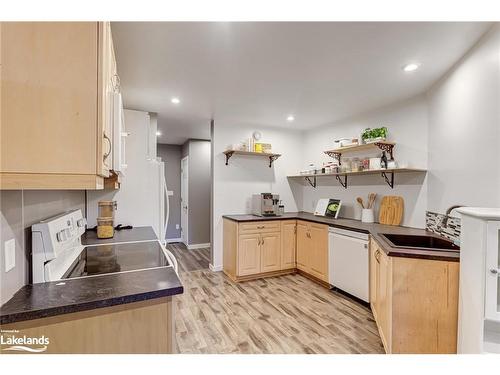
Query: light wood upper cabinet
[249,254]
[55,108]
[312,249]
[288,244]
[108,82]
[270,252]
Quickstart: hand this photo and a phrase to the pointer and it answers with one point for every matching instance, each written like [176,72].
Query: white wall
[246,175]
[407,124]
[464,130]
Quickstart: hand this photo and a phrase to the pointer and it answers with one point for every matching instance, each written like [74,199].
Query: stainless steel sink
[420,242]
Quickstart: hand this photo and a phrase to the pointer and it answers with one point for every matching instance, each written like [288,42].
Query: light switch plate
[10,254]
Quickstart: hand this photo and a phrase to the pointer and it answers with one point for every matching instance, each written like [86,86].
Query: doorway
[184,199]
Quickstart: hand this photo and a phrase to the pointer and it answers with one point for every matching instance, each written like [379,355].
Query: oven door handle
[172,259]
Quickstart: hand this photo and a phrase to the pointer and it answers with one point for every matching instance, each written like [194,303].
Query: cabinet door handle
[260,227]
[259,242]
[105,156]
[262,241]
[495,271]
[115,82]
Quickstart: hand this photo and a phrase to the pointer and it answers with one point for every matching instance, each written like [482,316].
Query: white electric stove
[58,252]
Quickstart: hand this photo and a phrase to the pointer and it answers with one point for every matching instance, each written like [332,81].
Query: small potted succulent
[374,135]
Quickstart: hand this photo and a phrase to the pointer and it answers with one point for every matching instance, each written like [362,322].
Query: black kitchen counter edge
[374,229]
[36,301]
[44,300]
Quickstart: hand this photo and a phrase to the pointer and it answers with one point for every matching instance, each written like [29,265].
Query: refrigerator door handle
[167,213]
[172,259]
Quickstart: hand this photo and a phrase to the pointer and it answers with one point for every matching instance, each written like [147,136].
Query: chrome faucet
[444,222]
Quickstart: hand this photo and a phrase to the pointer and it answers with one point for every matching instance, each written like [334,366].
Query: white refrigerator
[142,199]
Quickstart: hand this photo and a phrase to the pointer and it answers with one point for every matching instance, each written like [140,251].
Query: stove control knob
[81,223]
[61,236]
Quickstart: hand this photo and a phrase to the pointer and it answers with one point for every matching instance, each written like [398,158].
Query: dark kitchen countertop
[374,229]
[87,293]
[124,235]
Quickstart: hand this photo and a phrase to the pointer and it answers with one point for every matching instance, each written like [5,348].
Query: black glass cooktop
[103,259]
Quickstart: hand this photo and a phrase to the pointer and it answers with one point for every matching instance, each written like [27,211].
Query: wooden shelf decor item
[382,145]
[272,157]
[387,174]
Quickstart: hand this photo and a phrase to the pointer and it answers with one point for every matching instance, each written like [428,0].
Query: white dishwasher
[348,262]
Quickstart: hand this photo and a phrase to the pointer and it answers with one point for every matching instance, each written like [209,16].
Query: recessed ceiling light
[411,67]
[290,118]
[158,133]
[175,100]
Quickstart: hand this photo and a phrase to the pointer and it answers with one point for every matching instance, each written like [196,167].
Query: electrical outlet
[177,226]
[10,254]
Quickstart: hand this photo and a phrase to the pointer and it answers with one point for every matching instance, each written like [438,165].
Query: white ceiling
[258,73]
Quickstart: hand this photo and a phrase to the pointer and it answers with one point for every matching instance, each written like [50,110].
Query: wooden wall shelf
[272,157]
[382,145]
[387,174]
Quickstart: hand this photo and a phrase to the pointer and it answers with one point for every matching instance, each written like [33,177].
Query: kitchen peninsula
[108,313]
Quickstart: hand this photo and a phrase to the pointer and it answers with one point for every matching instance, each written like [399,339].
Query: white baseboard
[215,268]
[198,246]
[170,240]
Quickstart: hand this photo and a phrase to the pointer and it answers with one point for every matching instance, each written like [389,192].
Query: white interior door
[184,199]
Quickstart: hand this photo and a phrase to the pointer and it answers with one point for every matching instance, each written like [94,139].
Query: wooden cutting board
[391,210]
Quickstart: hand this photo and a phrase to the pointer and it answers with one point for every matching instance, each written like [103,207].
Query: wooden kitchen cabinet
[270,252]
[249,253]
[144,327]
[56,117]
[288,244]
[312,249]
[303,246]
[380,292]
[275,247]
[253,249]
[319,251]
[414,302]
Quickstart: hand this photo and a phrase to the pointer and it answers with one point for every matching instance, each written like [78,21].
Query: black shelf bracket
[228,156]
[311,182]
[343,183]
[385,147]
[272,158]
[335,155]
[390,181]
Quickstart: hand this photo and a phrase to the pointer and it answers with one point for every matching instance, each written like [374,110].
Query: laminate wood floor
[190,260]
[285,314]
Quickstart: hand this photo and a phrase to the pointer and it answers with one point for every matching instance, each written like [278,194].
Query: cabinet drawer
[260,227]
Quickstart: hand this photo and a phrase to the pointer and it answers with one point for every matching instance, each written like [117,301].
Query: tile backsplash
[19,210]
[434,223]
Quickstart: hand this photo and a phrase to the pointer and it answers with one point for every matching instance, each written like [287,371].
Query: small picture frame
[328,207]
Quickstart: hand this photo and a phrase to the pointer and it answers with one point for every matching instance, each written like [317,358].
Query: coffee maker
[265,204]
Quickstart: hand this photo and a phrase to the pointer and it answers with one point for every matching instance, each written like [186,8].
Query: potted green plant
[374,135]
